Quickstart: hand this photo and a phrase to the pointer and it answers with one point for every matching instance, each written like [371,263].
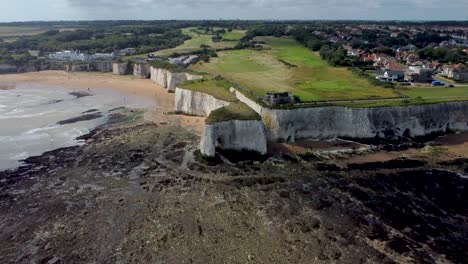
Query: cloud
[269,3]
[233,9]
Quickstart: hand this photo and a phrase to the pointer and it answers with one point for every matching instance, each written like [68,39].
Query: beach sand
[126,83]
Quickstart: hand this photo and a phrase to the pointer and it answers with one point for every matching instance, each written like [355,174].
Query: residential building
[407,48]
[76,55]
[418,74]
[35,53]
[392,76]
[457,72]
[68,55]
[127,51]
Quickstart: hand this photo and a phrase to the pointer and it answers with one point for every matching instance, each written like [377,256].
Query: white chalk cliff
[120,68]
[238,135]
[141,71]
[331,122]
[196,103]
[170,80]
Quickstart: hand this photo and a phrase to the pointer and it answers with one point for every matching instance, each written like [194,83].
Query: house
[127,51]
[276,99]
[35,53]
[68,55]
[103,56]
[450,44]
[407,57]
[418,74]
[353,53]
[392,76]
[370,57]
[382,59]
[436,67]
[407,48]
[457,72]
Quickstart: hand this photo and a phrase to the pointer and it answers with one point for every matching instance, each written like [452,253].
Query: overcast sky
[26,10]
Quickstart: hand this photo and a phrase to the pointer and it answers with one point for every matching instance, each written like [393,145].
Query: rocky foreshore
[140,192]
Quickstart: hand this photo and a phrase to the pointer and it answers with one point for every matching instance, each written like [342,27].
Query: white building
[76,55]
[68,55]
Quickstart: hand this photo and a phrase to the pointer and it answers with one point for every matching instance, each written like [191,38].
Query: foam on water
[30,112]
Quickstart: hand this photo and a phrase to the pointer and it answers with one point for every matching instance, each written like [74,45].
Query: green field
[16,31]
[289,66]
[218,88]
[199,38]
[234,111]
[7,31]
[436,92]
[234,35]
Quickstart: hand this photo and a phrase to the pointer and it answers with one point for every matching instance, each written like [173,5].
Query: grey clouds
[22,10]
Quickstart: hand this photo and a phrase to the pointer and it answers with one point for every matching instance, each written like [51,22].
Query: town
[398,53]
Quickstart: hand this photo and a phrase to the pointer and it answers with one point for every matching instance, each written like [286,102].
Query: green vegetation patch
[234,111]
[200,38]
[436,92]
[289,66]
[405,102]
[216,87]
[8,31]
[160,64]
[234,35]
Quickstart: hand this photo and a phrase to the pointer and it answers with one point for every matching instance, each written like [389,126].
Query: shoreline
[141,188]
[123,83]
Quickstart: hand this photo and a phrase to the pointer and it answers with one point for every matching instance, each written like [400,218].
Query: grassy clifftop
[216,87]
[234,111]
[286,65]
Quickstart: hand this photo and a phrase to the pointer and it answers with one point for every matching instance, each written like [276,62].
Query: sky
[46,10]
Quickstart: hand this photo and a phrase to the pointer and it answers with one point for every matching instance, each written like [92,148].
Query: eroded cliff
[141,70]
[171,80]
[385,122]
[196,103]
[238,135]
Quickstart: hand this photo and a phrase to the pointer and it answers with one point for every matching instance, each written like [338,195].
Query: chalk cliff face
[159,76]
[141,71]
[171,80]
[196,103]
[331,122]
[120,68]
[100,66]
[236,135]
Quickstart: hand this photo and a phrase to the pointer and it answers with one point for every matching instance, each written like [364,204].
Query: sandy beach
[127,84]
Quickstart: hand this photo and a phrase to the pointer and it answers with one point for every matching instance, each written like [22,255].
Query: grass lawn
[234,35]
[218,88]
[234,111]
[8,31]
[288,66]
[199,38]
[436,92]
[16,31]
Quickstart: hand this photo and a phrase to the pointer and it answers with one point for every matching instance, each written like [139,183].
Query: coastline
[126,83]
[141,187]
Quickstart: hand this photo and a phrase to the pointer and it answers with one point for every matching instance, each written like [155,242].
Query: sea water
[29,114]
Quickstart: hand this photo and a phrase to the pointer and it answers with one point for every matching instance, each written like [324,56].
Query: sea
[30,115]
